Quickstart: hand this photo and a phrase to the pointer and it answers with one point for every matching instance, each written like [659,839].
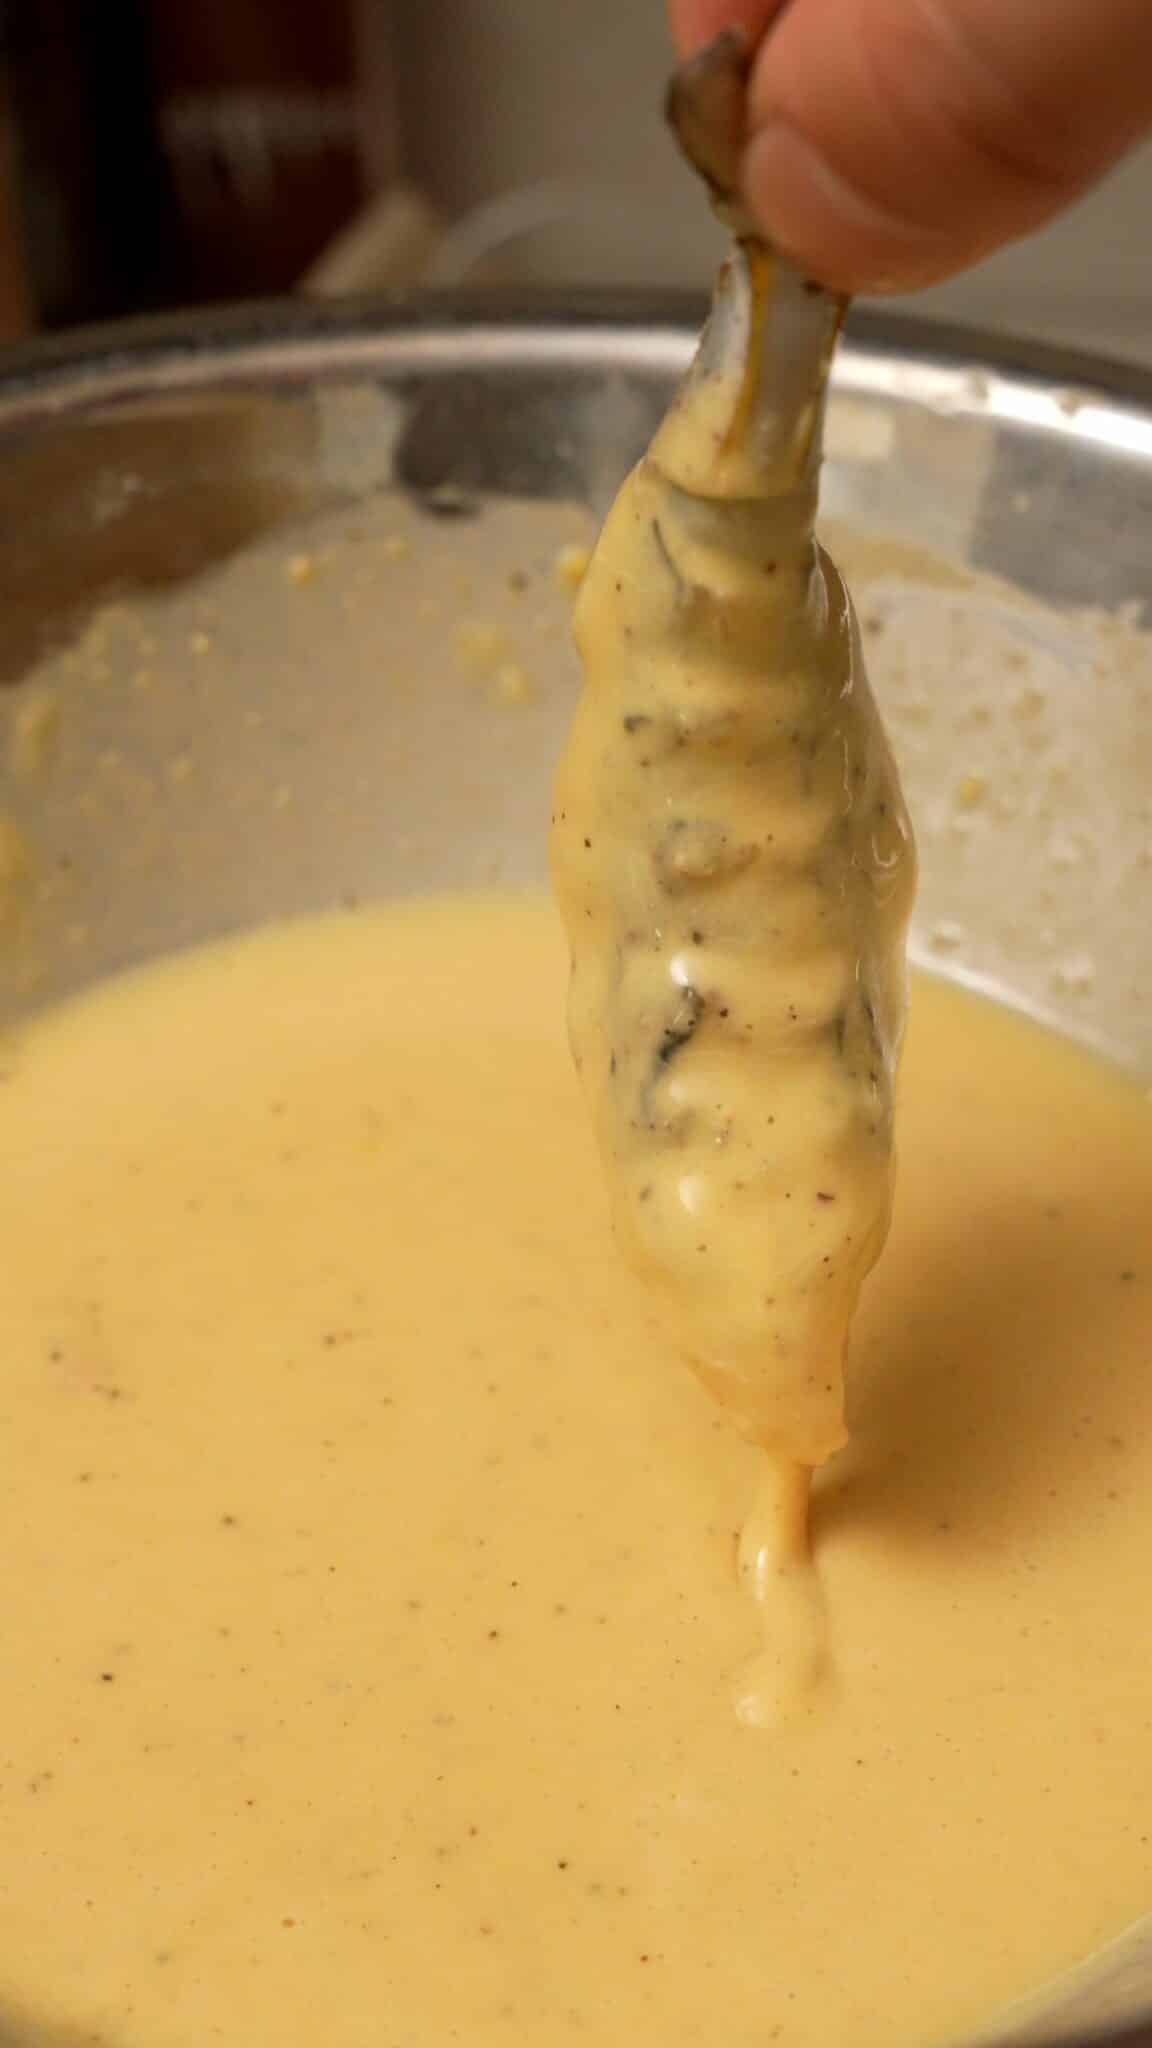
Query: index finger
[695,22]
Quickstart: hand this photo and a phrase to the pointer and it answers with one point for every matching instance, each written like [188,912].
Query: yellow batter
[369,1615]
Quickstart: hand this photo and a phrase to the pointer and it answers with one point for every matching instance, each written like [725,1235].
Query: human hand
[892,142]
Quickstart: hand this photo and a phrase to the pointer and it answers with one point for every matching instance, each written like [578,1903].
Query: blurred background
[156,153]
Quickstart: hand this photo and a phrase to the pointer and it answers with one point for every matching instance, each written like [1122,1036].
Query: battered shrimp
[734,865]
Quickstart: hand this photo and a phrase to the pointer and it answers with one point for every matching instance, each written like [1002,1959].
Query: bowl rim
[958,369]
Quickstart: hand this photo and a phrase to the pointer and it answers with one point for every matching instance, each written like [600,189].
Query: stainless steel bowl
[281,627]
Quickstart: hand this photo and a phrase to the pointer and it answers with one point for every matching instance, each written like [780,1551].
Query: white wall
[498,94]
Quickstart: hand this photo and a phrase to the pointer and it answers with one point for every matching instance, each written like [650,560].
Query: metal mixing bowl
[281,627]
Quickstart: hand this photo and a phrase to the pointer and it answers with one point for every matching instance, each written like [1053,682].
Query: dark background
[161,151]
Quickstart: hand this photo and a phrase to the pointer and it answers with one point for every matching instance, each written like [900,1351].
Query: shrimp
[734,864]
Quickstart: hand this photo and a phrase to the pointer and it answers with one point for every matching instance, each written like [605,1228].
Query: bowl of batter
[373,1623]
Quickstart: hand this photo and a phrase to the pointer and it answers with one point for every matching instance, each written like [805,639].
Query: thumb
[892,142]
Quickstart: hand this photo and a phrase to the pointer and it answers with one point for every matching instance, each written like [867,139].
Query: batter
[369,1616]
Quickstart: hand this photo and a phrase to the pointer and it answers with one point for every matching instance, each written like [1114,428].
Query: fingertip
[831,230]
[892,144]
